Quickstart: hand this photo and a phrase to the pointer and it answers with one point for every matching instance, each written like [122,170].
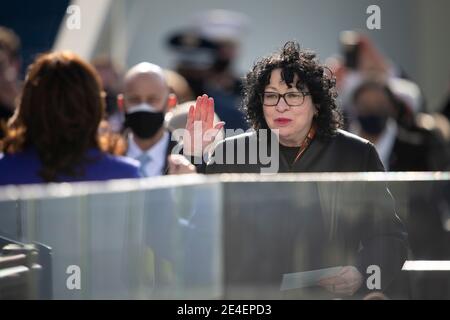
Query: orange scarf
[306,142]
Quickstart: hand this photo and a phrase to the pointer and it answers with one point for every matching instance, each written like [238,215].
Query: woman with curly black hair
[290,101]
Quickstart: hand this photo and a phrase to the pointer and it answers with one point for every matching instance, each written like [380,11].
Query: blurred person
[176,119]
[402,143]
[53,135]
[194,56]
[439,119]
[10,43]
[6,110]
[178,86]
[9,75]
[223,28]
[111,77]
[146,99]
[409,142]
[216,35]
[145,102]
[445,109]
[290,95]
[359,59]
[359,56]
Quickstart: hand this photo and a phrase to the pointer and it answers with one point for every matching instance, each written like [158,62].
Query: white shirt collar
[386,141]
[157,154]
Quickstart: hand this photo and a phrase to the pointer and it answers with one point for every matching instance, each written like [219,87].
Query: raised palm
[200,128]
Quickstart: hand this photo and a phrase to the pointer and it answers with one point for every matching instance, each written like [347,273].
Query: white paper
[299,280]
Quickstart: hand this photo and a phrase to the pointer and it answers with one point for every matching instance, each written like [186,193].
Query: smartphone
[350,48]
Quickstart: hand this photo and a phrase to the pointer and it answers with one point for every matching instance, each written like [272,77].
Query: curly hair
[59,114]
[293,61]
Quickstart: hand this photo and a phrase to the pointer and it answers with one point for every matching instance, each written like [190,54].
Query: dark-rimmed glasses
[292,99]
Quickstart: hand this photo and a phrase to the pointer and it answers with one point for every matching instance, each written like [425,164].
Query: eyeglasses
[292,99]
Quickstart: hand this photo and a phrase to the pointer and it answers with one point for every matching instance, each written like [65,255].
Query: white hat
[221,25]
[407,91]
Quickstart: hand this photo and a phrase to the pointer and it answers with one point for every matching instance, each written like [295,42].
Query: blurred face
[110,78]
[373,101]
[8,81]
[373,108]
[293,122]
[148,88]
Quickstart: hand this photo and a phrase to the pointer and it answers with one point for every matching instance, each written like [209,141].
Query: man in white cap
[206,50]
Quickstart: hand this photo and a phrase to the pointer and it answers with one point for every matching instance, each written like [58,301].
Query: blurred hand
[200,129]
[180,165]
[346,282]
[338,70]
[371,60]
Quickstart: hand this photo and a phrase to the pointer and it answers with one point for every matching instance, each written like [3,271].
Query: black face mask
[373,124]
[144,124]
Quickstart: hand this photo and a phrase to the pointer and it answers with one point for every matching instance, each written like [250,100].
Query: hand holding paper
[307,278]
[346,282]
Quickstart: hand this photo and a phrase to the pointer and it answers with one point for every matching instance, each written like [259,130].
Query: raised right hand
[200,129]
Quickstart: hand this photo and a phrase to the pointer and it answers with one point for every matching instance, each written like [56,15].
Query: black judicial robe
[308,226]
[345,152]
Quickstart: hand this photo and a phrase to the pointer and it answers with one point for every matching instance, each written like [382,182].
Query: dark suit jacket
[171,146]
[419,149]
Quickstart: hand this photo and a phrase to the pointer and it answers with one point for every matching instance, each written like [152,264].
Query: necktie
[144,159]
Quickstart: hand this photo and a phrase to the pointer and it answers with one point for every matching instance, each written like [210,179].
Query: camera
[350,47]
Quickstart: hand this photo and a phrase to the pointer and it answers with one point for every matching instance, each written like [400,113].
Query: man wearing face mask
[404,143]
[385,120]
[145,101]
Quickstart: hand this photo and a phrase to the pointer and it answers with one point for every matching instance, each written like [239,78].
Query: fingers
[198,109]
[344,270]
[331,281]
[204,110]
[219,125]
[190,118]
[351,274]
[178,159]
[210,112]
[343,289]
[338,286]
[327,281]
[180,165]
[211,134]
[347,288]
[346,282]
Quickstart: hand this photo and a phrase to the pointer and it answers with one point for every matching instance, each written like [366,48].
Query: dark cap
[192,49]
